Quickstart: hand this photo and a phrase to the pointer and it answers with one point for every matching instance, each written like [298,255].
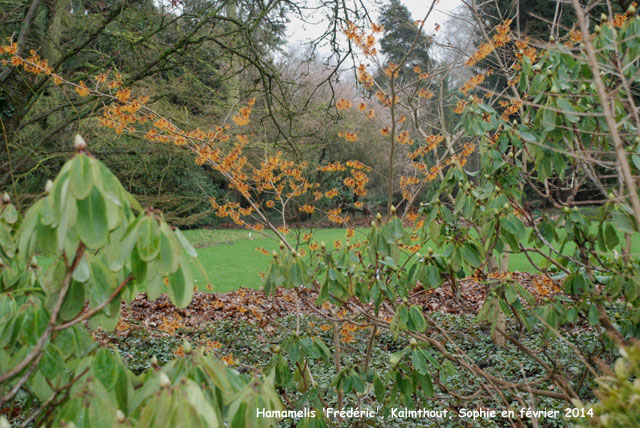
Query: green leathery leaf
[181,285]
[513,225]
[395,357]
[593,314]
[73,301]
[82,176]
[418,319]
[471,255]
[82,272]
[434,232]
[148,244]
[396,228]
[121,244]
[47,240]
[167,262]
[52,363]
[568,110]
[624,222]
[379,388]
[186,245]
[155,287]
[6,240]
[610,236]
[419,362]
[548,118]
[431,276]
[10,214]
[138,267]
[101,284]
[105,368]
[510,294]
[424,380]
[92,222]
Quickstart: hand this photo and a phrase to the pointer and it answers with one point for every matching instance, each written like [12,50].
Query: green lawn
[231,260]
[230,257]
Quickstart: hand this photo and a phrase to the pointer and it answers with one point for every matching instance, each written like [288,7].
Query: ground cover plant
[534,164]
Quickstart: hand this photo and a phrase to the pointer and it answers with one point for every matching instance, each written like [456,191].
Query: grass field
[231,260]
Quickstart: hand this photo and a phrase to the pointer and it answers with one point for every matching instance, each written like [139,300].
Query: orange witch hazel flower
[460,106]
[228,360]
[351,137]
[242,118]
[82,89]
[376,28]
[499,39]
[343,104]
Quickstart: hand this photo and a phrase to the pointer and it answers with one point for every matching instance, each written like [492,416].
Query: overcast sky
[299,32]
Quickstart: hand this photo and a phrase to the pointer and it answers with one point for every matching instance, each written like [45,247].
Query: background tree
[402,36]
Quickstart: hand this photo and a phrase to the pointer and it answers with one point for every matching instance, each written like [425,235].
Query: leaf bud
[631,10]
[294,254]
[281,245]
[274,253]
[604,17]
[413,342]
[165,382]
[4,423]
[323,246]
[506,205]
[393,209]
[120,416]
[597,29]
[48,186]
[154,360]
[79,144]
[552,39]
[379,216]
[186,347]
[430,251]
[373,223]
